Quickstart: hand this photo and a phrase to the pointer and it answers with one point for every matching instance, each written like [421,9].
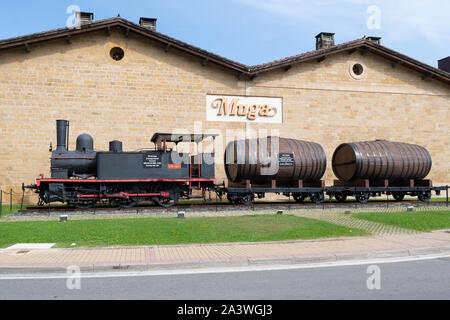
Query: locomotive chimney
[61,135]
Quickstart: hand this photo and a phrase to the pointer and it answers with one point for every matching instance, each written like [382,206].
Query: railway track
[212,206]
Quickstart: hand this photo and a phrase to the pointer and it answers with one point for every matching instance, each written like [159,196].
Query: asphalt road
[424,279]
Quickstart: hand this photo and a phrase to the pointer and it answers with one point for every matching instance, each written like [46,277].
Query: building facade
[117,80]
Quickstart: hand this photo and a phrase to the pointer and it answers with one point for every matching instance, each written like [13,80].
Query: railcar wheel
[398,196]
[362,197]
[247,199]
[317,198]
[234,198]
[299,197]
[424,196]
[340,197]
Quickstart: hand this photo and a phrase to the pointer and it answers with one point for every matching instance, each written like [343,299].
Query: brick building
[115,79]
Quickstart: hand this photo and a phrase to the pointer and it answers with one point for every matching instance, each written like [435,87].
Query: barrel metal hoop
[313,160]
[300,157]
[418,160]
[401,151]
[374,157]
[295,167]
[363,176]
[386,147]
[382,154]
[358,160]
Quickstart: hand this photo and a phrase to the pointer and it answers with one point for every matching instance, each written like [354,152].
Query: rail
[214,203]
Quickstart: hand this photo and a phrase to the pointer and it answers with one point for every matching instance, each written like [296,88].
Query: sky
[258,31]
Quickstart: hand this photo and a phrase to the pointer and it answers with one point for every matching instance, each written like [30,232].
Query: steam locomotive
[254,167]
[84,177]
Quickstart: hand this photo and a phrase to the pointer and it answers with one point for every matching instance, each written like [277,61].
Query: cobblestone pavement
[253,253]
[347,220]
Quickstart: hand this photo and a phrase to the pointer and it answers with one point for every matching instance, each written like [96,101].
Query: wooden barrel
[379,160]
[293,160]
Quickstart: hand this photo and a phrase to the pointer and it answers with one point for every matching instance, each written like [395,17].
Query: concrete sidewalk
[223,255]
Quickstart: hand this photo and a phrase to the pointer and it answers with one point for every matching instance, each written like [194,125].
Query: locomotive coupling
[32,186]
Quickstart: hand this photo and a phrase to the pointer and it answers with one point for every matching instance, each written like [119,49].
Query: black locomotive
[84,177]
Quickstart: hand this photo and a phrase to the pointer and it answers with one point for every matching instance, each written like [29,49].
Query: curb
[248,262]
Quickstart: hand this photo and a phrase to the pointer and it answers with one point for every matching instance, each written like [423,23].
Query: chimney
[148,23]
[324,40]
[62,132]
[376,40]
[444,64]
[84,18]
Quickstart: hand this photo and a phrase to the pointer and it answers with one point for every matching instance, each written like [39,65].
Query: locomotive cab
[201,165]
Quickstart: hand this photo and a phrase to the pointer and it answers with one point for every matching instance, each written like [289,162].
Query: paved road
[424,279]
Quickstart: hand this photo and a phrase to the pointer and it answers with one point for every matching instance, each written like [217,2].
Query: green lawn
[421,221]
[160,231]
[6,210]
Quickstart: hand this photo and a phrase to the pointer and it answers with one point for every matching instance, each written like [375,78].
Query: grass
[164,231]
[416,220]
[6,210]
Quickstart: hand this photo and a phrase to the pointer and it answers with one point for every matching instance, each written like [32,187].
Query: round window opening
[358,69]
[117,53]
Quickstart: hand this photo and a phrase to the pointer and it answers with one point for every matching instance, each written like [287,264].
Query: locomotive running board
[124,195]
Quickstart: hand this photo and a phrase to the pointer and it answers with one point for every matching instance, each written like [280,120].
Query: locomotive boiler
[81,163]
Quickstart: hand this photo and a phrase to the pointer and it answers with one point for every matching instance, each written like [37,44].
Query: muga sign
[244,109]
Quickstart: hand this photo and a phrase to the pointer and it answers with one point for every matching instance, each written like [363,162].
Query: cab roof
[177,138]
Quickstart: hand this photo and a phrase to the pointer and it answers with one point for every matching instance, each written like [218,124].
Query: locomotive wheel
[166,202]
[398,196]
[317,198]
[424,196]
[299,197]
[362,197]
[125,203]
[84,204]
[340,197]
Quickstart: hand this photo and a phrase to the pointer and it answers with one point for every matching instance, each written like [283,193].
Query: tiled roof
[127,26]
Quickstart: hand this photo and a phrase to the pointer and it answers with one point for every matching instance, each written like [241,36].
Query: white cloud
[401,20]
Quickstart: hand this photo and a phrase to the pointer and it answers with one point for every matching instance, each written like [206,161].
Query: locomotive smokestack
[61,135]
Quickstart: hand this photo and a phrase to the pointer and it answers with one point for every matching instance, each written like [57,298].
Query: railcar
[372,168]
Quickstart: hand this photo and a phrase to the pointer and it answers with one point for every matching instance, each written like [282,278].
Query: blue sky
[259,31]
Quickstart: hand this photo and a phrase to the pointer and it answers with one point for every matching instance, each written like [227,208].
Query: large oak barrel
[260,161]
[379,160]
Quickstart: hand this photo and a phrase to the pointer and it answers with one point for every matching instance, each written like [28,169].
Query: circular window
[117,53]
[357,70]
